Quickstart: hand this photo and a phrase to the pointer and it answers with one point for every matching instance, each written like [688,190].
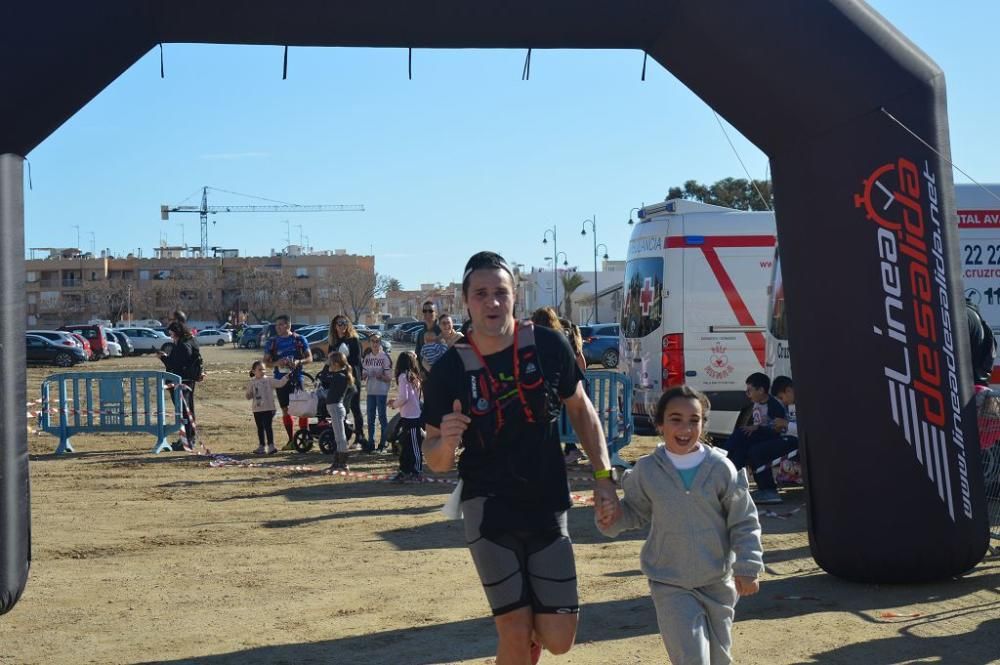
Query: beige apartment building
[401,304]
[71,287]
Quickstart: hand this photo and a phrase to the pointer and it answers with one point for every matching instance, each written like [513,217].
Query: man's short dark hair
[483,261]
[759,380]
[282,317]
[781,384]
[429,302]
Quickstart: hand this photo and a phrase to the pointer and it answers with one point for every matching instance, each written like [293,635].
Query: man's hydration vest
[482,388]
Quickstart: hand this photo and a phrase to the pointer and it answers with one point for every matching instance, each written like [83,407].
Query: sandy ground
[141,558]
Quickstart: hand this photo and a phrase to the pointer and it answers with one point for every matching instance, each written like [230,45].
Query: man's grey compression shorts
[529,568]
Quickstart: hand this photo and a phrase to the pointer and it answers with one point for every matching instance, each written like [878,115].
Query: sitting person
[761,454]
[765,411]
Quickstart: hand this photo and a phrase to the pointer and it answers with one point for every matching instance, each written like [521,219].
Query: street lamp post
[583,232]
[555,262]
[630,215]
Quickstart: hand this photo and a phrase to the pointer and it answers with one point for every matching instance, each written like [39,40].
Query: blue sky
[464,157]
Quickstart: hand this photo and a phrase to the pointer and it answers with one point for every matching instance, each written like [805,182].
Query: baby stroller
[319,430]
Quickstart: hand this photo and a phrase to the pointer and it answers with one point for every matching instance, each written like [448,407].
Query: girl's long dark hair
[338,358]
[407,364]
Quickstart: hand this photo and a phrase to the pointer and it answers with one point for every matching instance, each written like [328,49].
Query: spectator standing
[344,338]
[448,333]
[377,372]
[185,361]
[429,310]
[547,317]
[339,382]
[411,436]
[703,550]
[260,392]
[285,352]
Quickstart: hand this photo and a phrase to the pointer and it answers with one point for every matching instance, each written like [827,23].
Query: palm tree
[571,281]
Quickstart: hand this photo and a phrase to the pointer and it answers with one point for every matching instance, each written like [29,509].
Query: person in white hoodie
[703,550]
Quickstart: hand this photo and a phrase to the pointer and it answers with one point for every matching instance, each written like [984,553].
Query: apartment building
[404,303]
[70,286]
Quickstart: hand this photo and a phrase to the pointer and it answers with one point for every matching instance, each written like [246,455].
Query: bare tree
[357,289]
[109,299]
[155,299]
[265,291]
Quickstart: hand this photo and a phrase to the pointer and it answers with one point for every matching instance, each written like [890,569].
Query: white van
[695,293]
[979,246]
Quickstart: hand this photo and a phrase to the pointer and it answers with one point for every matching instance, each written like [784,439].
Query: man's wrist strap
[602,473]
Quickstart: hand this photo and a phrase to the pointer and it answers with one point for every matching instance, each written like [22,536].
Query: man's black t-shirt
[523,465]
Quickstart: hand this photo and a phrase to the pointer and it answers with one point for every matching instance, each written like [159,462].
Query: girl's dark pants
[411,440]
[265,432]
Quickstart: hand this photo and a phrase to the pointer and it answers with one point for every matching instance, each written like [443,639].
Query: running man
[498,394]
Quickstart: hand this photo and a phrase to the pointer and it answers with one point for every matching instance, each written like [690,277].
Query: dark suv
[600,344]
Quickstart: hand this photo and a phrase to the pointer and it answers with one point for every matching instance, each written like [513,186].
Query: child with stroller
[703,550]
[411,433]
[338,379]
[260,392]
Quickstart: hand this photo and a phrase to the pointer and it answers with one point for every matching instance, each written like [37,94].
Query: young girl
[411,437]
[378,374]
[339,383]
[703,550]
[261,391]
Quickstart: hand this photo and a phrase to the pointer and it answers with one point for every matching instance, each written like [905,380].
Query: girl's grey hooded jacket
[699,536]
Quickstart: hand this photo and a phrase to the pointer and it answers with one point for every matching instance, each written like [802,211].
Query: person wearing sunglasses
[429,310]
[344,338]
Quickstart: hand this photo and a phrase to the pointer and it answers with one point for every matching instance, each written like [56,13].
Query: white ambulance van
[695,294]
[979,240]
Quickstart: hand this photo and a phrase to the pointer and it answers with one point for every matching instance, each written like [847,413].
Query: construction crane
[204,210]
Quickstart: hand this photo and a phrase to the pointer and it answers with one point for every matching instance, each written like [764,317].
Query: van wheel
[220,343]
[252,344]
[610,358]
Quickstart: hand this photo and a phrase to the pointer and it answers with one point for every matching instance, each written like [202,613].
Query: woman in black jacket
[342,332]
[185,361]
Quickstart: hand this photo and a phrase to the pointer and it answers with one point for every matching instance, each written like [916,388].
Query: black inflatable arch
[865,221]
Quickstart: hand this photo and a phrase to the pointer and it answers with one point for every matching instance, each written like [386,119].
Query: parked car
[403,331]
[213,337]
[95,335]
[84,344]
[250,337]
[114,348]
[60,337]
[146,340]
[41,350]
[128,349]
[600,344]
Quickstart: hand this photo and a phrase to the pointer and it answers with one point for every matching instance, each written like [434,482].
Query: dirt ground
[142,558]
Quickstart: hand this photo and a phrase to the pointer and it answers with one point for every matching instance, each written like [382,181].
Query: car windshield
[643,306]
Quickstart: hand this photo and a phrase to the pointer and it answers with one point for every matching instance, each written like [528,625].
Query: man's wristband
[609,474]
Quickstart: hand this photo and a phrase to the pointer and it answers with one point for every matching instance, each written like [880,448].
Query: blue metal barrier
[131,401]
[611,393]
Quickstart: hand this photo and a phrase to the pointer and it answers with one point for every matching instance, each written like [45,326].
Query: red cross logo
[646,295]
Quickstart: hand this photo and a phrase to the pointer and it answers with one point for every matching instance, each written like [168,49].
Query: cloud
[232,155]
